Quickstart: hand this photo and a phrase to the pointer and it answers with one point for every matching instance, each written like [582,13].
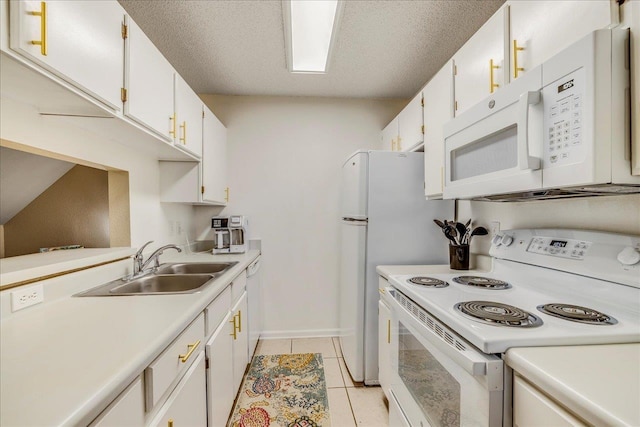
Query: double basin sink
[170,278]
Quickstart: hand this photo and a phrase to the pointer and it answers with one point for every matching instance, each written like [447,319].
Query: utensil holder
[459,257]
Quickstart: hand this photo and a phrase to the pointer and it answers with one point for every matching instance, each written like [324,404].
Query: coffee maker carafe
[239,230]
[221,235]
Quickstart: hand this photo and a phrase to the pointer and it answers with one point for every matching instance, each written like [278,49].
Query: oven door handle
[471,360]
[525,160]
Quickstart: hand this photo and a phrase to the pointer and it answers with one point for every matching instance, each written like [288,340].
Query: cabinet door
[390,135]
[187,404]
[214,160]
[126,410]
[384,350]
[438,109]
[532,408]
[410,124]
[475,78]
[540,29]
[240,341]
[188,118]
[80,41]
[630,16]
[149,83]
[220,385]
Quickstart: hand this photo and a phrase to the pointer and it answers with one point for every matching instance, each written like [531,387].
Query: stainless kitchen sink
[195,268]
[169,278]
[162,284]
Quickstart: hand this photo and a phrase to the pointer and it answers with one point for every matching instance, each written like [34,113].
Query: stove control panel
[563,248]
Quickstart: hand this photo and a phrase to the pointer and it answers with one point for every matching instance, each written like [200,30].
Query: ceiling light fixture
[310,28]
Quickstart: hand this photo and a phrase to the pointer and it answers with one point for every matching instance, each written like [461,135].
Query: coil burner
[498,314]
[482,282]
[428,282]
[576,313]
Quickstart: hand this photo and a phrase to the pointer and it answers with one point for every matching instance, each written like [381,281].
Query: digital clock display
[558,243]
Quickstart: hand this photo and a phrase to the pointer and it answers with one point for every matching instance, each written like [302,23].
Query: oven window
[434,389]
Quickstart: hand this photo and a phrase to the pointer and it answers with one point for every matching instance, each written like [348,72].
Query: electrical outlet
[27,297]
[179,228]
[495,228]
[172,228]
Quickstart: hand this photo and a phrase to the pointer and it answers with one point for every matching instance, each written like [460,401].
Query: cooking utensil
[439,223]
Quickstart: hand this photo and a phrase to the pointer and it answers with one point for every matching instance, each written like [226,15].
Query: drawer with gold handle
[171,364]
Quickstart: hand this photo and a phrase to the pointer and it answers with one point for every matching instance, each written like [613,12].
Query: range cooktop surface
[536,298]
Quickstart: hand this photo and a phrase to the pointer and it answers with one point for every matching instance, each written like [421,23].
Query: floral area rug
[284,390]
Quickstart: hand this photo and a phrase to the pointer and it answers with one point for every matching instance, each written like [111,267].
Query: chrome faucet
[140,266]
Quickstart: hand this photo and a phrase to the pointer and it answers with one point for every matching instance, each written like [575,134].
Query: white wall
[149,218]
[284,163]
[616,214]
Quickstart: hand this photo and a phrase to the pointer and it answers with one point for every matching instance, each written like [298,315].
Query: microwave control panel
[563,120]
[563,248]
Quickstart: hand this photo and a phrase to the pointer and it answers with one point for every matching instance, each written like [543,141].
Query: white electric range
[547,287]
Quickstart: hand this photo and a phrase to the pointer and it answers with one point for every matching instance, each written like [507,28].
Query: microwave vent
[588,191]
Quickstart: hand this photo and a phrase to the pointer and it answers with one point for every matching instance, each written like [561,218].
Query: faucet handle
[139,253]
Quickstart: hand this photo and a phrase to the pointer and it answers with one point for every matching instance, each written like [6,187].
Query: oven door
[495,147]
[438,379]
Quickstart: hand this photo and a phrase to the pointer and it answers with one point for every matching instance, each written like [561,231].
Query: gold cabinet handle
[381,290]
[389,331]
[183,126]
[235,328]
[393,145]
[492,84]
[239,320]
[226,194]
[516,69]
[399,144]
[170,423]
[43,28]
[172,132]
[191,347]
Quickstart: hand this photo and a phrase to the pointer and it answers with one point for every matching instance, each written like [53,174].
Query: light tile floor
[350,404]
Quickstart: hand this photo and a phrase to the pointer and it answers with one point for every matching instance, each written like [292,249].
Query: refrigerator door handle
[348,219]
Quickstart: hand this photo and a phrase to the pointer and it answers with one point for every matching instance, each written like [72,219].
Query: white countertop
[63,362]
[26,268]
[599,383]
[482,263]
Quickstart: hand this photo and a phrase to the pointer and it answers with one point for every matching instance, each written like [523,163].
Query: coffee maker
[221,235]
[230,234]
[239,231]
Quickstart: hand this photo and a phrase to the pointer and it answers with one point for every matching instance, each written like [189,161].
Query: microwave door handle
[526,161]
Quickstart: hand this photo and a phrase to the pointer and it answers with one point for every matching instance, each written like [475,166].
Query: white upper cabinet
[410,124]
[187,120]
[148,81]
[390,135]
[480,63]
[214,160]
[438,109]
[540,29]
[79,41]
[630,17]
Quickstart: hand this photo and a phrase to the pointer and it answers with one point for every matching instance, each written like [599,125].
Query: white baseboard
[311,333]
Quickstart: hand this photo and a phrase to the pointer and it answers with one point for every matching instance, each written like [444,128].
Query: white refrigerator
[385,219]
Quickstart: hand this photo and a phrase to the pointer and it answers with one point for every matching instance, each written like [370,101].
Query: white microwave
[560,130]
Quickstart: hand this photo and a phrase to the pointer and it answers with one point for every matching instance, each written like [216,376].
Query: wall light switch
[27,297]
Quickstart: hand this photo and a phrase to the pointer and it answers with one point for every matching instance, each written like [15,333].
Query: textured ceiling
[385,49]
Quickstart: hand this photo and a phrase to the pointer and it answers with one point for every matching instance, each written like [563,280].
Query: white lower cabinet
[220,384]
[240,340]
[384,344]
[126,410]
[187,405]
[531,408]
